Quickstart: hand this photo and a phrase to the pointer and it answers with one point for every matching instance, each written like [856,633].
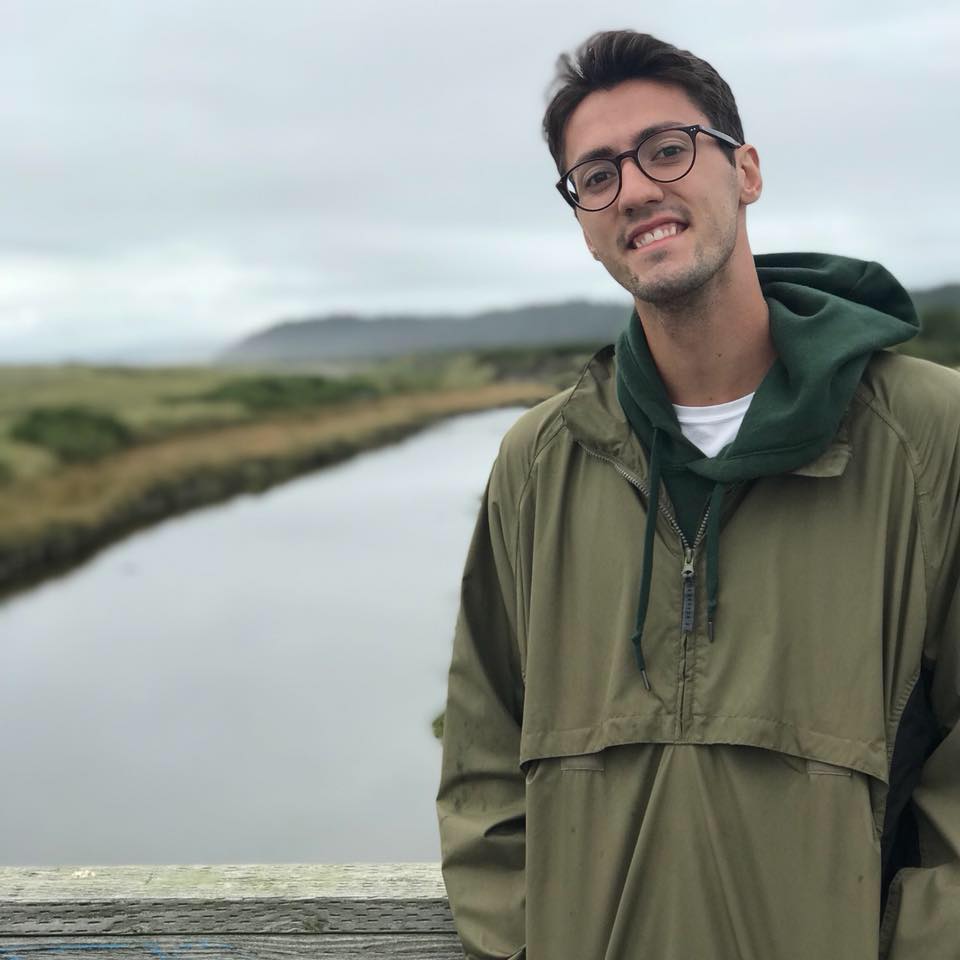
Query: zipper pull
[688,598]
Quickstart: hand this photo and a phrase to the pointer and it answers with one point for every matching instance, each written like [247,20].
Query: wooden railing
[264,912]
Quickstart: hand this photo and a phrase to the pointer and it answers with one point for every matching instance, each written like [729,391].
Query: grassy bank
[55,513]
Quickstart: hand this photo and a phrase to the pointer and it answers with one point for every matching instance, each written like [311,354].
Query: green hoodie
[828,315]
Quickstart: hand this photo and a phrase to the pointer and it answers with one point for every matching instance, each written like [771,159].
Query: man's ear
[748,171]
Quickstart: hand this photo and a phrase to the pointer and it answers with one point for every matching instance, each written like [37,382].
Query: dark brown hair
[608,58]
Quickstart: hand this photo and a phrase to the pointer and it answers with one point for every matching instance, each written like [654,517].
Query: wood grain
[261,911]
[387,946]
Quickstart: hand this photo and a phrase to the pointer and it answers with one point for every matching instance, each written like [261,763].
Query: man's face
[705,208]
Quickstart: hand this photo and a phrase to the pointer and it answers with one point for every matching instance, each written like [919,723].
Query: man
[705,686]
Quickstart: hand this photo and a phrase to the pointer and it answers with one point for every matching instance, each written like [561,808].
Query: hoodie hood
[828,315]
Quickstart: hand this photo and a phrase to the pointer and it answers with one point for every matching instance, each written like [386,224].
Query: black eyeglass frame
[691,130]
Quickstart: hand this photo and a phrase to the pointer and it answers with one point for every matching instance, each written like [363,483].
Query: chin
[665,286]
[665,283]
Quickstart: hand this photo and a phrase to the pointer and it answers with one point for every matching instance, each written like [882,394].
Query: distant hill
[342,337]
[945,297]
[346,337]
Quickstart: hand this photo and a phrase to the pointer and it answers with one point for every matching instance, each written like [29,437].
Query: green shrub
[72,433]
[290,392]
[941,324]
[939,337]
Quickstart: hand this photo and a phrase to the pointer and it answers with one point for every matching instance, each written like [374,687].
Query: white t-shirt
[711,428]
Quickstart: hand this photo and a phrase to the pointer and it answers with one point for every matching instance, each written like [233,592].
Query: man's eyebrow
[606,152]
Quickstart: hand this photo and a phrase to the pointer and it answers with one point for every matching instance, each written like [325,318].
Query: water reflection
[252,682]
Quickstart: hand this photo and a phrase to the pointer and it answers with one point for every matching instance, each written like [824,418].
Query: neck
[714,345]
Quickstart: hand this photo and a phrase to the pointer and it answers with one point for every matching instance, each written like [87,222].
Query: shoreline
[51,526]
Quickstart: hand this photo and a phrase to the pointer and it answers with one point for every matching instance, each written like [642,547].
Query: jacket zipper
[688,610]
[688,604]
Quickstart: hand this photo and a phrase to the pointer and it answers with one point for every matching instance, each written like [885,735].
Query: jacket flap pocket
[830,750]
[582,761]
[827,769]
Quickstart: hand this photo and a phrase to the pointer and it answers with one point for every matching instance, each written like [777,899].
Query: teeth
[667,230]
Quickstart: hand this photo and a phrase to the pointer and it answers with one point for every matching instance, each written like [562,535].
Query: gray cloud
[193,170]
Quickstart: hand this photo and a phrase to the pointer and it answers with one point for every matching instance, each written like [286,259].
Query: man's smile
[655,233]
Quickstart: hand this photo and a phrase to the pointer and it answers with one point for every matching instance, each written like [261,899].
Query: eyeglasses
[664,156]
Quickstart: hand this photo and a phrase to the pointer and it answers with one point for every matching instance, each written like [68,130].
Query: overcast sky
[186,171]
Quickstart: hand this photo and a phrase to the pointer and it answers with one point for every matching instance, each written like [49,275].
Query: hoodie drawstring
[713,555]
[652,507]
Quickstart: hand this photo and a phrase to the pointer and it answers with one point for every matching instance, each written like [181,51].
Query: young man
[705,687]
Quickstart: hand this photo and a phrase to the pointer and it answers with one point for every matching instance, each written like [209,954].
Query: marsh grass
[269,393]
[53,519]
[138,399]
[90,453]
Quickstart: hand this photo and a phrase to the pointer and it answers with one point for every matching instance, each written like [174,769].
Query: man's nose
[636,188]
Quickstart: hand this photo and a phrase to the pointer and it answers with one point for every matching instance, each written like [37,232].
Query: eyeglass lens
[664,157]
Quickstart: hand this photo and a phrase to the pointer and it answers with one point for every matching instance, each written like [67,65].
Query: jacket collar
[595,419]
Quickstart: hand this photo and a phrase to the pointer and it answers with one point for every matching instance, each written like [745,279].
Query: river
[252,682]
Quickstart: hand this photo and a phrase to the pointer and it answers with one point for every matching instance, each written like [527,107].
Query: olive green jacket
[790,790]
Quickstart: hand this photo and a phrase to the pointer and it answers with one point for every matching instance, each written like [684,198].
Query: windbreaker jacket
[788,791]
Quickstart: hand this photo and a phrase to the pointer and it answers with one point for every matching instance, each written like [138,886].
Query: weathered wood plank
[224,881]
[204,916]
[261,912]
[385,947]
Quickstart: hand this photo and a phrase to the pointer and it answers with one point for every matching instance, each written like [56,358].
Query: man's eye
[595,178]
[668,151]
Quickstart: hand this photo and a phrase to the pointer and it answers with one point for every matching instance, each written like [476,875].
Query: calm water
[252,682]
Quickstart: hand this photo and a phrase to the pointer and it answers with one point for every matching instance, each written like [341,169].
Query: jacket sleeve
[922,918]
[481,800]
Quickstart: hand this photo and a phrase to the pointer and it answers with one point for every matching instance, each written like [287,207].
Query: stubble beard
[686,292]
